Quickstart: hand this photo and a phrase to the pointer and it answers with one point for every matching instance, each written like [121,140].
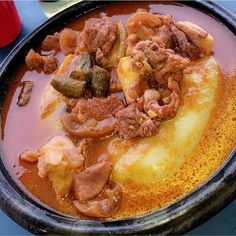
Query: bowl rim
[177,217]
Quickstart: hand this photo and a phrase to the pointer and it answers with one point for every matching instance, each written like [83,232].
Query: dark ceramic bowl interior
[176,218]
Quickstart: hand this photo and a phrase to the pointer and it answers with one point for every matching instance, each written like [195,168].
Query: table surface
[32,15]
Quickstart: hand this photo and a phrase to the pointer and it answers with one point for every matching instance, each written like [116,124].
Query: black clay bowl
[176,218]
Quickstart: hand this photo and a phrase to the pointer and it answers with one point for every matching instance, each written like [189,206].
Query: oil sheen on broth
[155,171]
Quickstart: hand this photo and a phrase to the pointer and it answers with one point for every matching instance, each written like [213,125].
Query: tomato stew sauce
[23,129]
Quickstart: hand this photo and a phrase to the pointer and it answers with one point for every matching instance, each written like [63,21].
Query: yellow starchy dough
[152,159]
[118,50]
[128,78]
[52,104]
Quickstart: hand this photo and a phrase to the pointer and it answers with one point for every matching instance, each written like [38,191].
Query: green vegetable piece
[83,67]
[69,87]
[100,82]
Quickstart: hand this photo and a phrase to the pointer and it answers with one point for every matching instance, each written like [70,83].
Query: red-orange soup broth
[22,127]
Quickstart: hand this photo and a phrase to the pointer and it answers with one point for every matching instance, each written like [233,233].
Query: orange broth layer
[23,129]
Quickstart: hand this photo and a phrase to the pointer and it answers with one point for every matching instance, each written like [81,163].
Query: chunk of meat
[151,94]
[163,37]
[143,24]
[24,96]
[68,41]
[29,156]
[98,37]
[198,36]
[140,103]
[149,128]
[49,64]
[147,55]
[97,108]
[165,19]
[173,67]
[173,86]
[51,42]
[130,42]
[57,150]
[105,205]
[183,46]
[192,30]
[90,182]
[35,61]
[148,58]
[58,160]
[155,109]
[131,123]
[91,128]
[164,112]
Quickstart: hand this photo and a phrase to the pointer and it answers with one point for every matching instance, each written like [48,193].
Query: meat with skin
[146,55]
[59,159]
[68,41]
[97,108]
[165,19]
[105,205]
[149,128]
[183,46]
[51,42]
[173,86]
[163,37]
[35,61]
[98,37]
[193,31]
[164,112]
[143,24]
[151,94]
[29,156]
[91,128]
[132,123]
[90,182]
[49,64]
[155,109]
[58,150]
[173,67]
[92,118]
[197,36]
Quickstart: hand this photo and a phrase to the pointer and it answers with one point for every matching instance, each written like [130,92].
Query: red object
[10,25]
